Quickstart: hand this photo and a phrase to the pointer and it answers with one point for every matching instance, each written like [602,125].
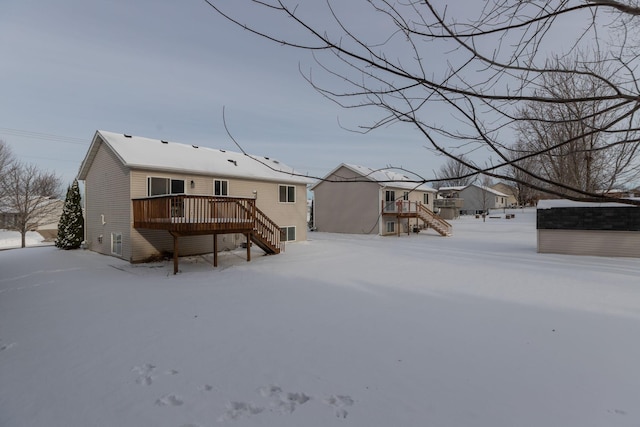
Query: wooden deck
[190,215]
[407,209]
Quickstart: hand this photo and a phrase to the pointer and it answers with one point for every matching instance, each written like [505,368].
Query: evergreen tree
[71,225]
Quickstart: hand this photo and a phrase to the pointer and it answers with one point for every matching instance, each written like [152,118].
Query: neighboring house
[359,200]
[48,222]
[8,219]
[475,199]
[510,191]
[44,219]
[145,198]
[584,228]
[620,193]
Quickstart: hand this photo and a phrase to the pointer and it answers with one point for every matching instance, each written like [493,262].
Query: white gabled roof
[384,177]
[145,153]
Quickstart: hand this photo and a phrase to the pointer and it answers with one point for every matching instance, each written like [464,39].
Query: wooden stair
[266,233]
[434,221]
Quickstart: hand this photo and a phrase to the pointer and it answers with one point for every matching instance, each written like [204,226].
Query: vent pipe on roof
[194,146]
[232,161]
[164,142]
[127,136]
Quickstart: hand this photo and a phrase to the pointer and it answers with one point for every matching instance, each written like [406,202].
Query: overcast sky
[165,69]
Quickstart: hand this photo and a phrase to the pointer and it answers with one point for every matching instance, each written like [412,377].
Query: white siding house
[125,176]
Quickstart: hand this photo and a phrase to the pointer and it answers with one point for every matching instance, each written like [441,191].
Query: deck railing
[448,203]
[409,209]
[400,206]
[194,214]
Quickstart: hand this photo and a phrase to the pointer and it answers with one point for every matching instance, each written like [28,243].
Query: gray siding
[590,242]
[347,207]
[108,203]
[477,199]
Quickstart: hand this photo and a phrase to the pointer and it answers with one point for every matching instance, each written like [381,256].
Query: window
[288,234]
[425,198]
[116,243]
[405,195]
[161,186]
[164,186]
[391,227]
[389,199]
[220,187]
[287,193]
[177,186]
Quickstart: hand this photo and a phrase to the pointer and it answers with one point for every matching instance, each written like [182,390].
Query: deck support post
[215,250]
[175,253]
[248,246]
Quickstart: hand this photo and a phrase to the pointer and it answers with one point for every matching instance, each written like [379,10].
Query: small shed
[585,228]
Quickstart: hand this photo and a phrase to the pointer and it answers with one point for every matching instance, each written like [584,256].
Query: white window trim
[295,232]
[169,179]
[393,227]
[287,187]
[214,186]
[114,237]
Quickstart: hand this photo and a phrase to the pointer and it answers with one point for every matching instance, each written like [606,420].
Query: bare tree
[527,195]
[455,173]
[478,62]
[580,162]
[30,196]
[6,160]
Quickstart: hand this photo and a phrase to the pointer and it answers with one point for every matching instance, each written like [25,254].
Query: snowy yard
[472,330]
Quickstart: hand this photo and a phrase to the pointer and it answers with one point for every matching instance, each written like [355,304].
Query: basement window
[116,244]
[391,227]
[288,234]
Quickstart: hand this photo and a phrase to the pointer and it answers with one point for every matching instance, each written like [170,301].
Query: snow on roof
[385,177]
[457,188]
[481,187]
[147,153]
[565,203]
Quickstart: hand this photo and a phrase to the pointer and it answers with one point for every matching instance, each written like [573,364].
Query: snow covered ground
[12,239]
[472,330]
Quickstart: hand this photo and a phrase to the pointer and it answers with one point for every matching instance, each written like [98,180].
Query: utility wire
[44,136]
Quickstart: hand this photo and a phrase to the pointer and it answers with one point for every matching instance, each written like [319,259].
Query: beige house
[474,199]
[145,198]
[359,200]
[510,191]
[44,219]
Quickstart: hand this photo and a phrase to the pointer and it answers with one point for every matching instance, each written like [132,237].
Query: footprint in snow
[339,402]
[281,401]
[169,400]
[7,346]
[144,372]
[237,410]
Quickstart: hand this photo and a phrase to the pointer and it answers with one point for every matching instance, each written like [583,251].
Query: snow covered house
[360,200]
[146,197]
[585,228]
[473,199]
